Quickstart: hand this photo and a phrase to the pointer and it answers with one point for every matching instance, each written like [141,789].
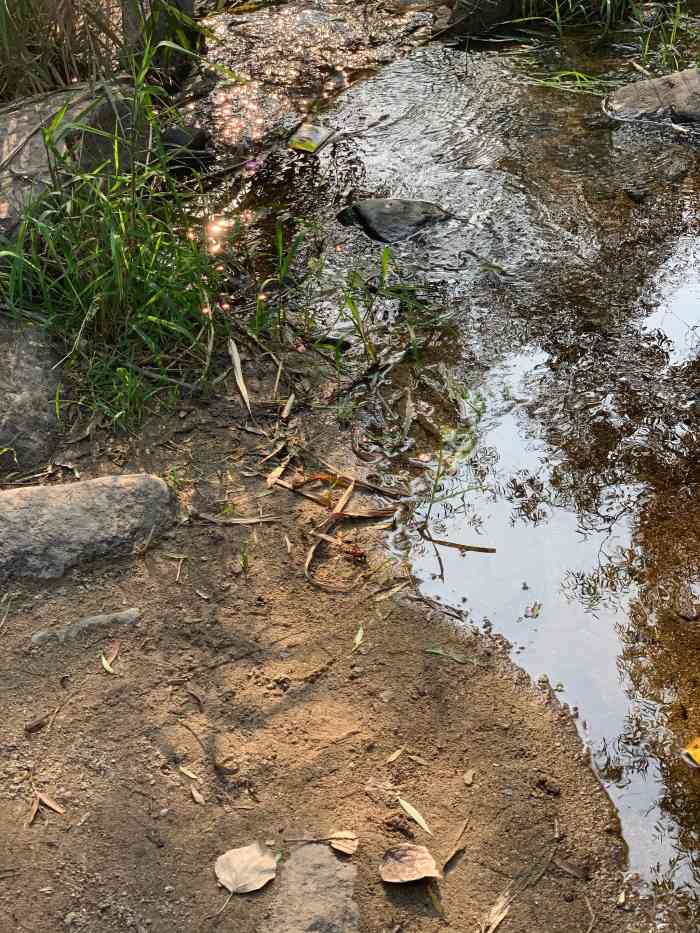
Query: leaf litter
[414,815]
[246,869]
[407,862]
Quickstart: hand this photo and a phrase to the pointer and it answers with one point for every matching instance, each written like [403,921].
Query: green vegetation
[116,266]
[46,44]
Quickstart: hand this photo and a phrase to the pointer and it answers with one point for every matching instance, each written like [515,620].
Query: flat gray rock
[47,529]
[73,630]
[671,97]
[27,388]
[314,894]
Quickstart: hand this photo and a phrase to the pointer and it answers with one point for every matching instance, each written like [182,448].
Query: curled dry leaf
[246,869]
[344,841]
[395,754]
[407,862]
[196,795]
[48,802]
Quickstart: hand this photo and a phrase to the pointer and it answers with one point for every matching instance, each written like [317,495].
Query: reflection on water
[579,567]
[678,310]
[587,464]
[587,455]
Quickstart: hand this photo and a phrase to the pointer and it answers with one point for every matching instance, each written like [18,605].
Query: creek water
[585,462]
[585,475]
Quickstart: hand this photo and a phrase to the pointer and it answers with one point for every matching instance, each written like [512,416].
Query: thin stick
[594,919]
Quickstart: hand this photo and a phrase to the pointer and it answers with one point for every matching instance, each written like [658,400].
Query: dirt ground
[252,678]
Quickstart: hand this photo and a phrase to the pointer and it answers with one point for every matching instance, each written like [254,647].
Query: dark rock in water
[390,220]
[476,17]
[187,149]
[674,97]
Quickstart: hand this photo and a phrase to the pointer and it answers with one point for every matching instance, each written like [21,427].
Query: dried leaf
[414,814]
[395,754]
[273,453]
[110,657]
[288,544]
[359,638]
[246,869]
[35,809]
[275,474]
[418,760]
[469,777]
[238,373]
[189,774]
[48,802]
[196,796]
[407,862]
[286,411]
[106,665]
[691,753]
[344,841]
[244,520]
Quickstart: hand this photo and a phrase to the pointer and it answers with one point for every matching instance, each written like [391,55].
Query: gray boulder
[674,97]
[28,383]
[47,529]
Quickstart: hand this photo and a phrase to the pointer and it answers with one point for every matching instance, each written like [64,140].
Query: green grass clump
[116,267]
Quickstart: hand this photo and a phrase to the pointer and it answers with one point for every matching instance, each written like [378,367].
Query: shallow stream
[585,477]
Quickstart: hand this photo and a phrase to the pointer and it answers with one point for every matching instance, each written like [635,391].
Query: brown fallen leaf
[418,760]
[344,841]
[190,774]
[286,411]
[246,869]
[407,862]
[48,802]
[113,652]
[276,474]
[395,755]
[34,810]
[196,796]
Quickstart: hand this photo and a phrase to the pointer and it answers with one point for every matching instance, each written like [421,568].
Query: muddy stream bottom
[584,357]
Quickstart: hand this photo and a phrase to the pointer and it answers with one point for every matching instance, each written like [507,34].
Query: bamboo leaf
[238,372]
[414,814]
